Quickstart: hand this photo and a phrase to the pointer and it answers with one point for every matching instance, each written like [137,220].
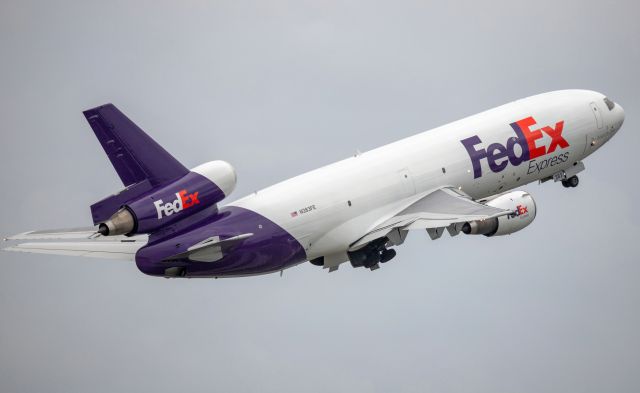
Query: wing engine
[524,212]
[445,208]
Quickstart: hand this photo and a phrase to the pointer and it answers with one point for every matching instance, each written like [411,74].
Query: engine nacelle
[520,202]
[204,186]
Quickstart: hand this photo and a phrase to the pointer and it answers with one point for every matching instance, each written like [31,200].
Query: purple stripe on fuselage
[270,249]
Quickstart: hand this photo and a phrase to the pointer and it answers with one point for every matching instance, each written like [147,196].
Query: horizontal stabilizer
[58,234]
[85,233]
[123,250]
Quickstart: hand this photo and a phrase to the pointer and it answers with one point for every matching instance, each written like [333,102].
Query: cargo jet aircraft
[455,178]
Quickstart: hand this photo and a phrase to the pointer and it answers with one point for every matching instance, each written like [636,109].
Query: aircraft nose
[616,113]
[619,115]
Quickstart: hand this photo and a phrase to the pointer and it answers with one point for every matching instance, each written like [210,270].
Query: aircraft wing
[443,208]
[87,242]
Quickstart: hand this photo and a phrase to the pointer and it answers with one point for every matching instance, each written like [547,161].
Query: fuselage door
[590,143]
[597,114]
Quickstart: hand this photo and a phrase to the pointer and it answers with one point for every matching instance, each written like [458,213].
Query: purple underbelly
[269,249]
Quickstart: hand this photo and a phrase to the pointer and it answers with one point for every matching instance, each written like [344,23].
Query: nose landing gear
[573,181]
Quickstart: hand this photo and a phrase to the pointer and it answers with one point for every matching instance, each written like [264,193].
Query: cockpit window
[610,104]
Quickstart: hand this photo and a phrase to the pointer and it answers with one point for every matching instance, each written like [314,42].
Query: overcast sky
[278,88]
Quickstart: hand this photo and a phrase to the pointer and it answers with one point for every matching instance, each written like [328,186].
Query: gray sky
[278,88]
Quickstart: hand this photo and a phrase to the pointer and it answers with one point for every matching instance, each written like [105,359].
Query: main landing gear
[573,181]
[372,255]
[387,255]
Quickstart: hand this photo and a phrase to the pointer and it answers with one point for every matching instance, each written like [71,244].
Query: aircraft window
[610,104]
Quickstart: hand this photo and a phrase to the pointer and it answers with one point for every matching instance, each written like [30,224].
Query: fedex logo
[521,210]
[182,201]
[499,156]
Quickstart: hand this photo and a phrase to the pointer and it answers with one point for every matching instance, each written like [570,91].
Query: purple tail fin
[134,155]
[141,162]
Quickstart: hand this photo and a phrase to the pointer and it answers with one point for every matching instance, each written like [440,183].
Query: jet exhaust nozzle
[121,223]
[481,227]
[519,202]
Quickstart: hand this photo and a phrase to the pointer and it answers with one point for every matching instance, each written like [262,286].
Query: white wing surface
[101,249]
[58,234]
[443,208]
[88,243]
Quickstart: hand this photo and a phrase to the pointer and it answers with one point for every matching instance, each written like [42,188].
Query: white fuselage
[331,207]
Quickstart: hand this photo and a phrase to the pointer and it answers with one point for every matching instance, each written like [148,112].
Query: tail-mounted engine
[200,188]
[520,202]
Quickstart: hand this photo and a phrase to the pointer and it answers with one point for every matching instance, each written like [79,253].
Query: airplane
[458,177]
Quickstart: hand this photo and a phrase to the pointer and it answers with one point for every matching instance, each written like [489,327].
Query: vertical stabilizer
[135,156]
[141,163]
